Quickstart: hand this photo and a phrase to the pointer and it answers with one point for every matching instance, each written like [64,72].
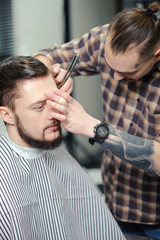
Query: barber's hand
[58,74]
[70,113]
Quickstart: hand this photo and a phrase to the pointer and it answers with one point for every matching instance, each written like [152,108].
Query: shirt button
[131,124]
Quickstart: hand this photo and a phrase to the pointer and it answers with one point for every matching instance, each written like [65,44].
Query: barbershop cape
[46,195]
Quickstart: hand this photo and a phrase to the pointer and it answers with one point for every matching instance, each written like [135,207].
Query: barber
[126,53]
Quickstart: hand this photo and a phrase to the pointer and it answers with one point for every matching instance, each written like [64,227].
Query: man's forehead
[31,88]
[36,81]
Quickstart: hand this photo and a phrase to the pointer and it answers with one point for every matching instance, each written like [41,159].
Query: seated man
[45,194]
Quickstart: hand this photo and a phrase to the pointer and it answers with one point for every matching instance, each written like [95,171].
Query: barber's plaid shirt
[131,194]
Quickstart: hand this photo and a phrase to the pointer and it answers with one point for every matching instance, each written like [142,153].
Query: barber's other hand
[58,74]
[70,113]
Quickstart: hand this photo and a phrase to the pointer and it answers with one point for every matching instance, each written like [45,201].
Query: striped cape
[46,195]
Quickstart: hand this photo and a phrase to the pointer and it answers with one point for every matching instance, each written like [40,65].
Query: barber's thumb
[55,69]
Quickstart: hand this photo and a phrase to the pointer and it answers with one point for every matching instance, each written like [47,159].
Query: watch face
[102,131]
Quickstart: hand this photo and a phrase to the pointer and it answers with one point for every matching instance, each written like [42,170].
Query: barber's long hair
[136,28]
[14,70]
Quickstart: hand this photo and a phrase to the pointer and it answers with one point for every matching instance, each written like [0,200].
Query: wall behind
[37,24]
[85,15]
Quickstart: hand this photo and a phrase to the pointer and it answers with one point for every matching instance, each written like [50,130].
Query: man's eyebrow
[37,102]
[122,72]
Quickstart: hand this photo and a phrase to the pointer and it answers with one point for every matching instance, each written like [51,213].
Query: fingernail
[56,67]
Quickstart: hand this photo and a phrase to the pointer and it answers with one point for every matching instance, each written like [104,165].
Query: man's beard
[41,144]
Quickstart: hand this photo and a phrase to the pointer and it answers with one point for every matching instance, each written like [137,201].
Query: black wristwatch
[101,133]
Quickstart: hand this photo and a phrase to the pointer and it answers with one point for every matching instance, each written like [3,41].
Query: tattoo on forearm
[132,149]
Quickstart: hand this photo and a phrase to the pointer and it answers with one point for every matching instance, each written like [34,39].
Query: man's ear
[157,54]
[7,115]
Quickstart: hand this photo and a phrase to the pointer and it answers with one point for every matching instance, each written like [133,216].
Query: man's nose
[118,76]
[49,112]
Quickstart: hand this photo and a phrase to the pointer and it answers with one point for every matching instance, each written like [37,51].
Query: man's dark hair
[14,70]
[136,28]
